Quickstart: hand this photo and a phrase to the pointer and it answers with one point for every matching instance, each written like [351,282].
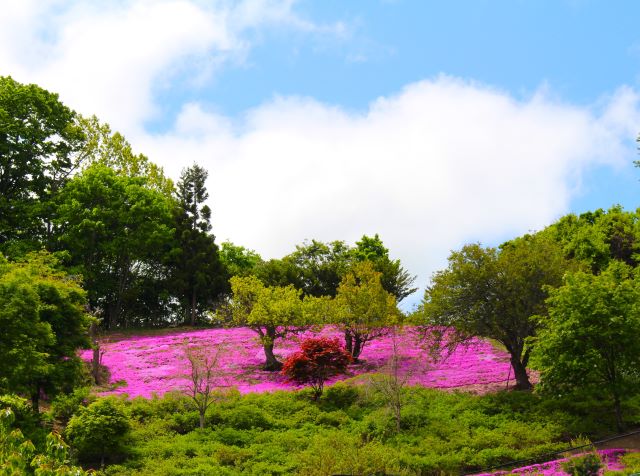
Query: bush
[584,465]
[67,405]
[340,395]
[98,431]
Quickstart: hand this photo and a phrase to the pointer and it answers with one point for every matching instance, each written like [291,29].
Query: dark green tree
[118,232]
[495,293]
[395,279]
[40,142]
[318,268]
[238,260]
[198,275]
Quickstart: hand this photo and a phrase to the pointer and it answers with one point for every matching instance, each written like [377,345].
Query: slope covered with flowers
[147,365]
[610,458]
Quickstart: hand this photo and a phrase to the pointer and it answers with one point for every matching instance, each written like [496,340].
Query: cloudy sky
[430,123]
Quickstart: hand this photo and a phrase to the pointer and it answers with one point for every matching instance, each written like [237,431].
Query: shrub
[588,464]
[318,359]
[340,395]
[67,405]
[99,431]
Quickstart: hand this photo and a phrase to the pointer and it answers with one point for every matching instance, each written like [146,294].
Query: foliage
[318,359]
[19,457]
[362,308]
[238,260]
[118,231]
[64,406]
[589,340]
[394,278]
[111,149]
[287,433]
[44,324]
[198,277]
[588,464]
[595,238]
[99,431]
[494,293]
[272,312]
[39,140]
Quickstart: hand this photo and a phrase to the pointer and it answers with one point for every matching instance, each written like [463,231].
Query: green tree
[118,231]
[238,260]
[273,312]
[44,323]
[198,275]
[111,149]
[18,456]
[363,309]
[589,340]
[494,293]
[39,142]
[99,431]
[318,268]
[394,278]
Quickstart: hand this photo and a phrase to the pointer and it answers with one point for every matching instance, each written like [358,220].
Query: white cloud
[441,163]
[110,58]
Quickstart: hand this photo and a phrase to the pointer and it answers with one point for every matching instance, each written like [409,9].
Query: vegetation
[318,359]
[94,234]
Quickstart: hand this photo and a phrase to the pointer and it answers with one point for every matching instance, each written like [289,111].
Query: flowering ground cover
[611,459]
[157,364]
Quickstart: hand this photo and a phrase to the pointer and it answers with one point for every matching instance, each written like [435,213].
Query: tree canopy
[494,293]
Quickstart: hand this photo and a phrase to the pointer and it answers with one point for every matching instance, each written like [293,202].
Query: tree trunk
[357,347]
[618,410]
[202,419]
[35,400]
[193,307]
[271,363]
[520,373]
[95,361]
[348,342]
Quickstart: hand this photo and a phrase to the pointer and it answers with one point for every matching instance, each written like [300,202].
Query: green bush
[67,405]
[99,431]
[584,465]
[340,395]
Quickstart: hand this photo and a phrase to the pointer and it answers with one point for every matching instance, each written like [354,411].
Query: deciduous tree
[589,340]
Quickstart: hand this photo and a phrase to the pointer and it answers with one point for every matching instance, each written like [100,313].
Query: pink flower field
[155,365]
[609,457]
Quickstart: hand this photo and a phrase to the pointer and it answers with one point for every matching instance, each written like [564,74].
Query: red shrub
[318,359]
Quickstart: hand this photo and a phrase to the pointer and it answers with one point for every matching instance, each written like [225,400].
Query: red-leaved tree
[318,359]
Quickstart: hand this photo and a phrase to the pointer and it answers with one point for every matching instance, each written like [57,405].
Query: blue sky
[431,123]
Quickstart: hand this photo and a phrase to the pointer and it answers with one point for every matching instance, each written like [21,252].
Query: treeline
[140,246]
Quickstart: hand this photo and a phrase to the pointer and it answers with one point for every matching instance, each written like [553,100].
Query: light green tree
[273,312]
[362,308]
[589,340]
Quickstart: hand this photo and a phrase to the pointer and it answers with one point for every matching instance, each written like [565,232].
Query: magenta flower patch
[156,365]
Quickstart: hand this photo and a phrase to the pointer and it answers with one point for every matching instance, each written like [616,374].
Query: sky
[433,124]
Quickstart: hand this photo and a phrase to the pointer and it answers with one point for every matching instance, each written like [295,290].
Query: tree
[390,382]
[319,267]
[394,278]
[491,293]
[589,340]
[39,140]
[362,308]
[273,312]
[99,431]
[238,260]
[119,232]
[18,455]
[318,359]
[204,376]
[198,274]
[43,325]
